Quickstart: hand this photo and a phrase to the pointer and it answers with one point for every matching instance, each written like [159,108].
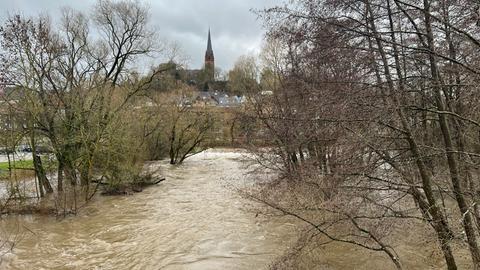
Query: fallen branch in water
[129,188]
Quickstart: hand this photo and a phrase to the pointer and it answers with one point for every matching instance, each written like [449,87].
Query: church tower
[209,60]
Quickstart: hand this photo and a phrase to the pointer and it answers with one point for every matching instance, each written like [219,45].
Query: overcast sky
[235,29]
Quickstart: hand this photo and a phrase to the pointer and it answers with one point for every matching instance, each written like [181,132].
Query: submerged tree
[184,128]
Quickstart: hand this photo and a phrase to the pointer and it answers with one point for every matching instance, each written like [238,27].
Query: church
[205,78]
[209,65]
[211,90]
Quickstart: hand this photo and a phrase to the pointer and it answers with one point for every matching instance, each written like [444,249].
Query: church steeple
[209,43]
[209,59]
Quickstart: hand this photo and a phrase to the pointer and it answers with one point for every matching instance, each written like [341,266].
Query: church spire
[209,59]
[209,43]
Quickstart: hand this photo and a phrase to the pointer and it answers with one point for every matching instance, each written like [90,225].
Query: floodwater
[193,220]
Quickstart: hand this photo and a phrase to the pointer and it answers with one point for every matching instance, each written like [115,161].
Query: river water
[193,220]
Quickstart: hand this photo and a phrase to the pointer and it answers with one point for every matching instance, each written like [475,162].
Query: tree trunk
[40,171]
[60,175]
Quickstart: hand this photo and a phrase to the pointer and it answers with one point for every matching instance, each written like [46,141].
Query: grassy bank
[24,168]
[19,164]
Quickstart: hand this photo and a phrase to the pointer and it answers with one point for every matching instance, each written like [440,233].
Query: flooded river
[193,220]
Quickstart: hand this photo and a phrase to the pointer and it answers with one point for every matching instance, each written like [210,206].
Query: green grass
[24,167]
[19,164]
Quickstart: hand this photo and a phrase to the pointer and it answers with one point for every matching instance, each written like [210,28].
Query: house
[218,98]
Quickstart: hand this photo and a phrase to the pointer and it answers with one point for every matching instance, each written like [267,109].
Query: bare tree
[374,107]
[183,129]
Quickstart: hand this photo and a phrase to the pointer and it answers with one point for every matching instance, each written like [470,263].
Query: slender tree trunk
[60,175]
[42,176]
[172,145]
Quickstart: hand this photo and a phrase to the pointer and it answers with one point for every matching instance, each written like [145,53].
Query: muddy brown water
[193,220]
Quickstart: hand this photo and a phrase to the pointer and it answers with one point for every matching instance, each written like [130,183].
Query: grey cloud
[235,29]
